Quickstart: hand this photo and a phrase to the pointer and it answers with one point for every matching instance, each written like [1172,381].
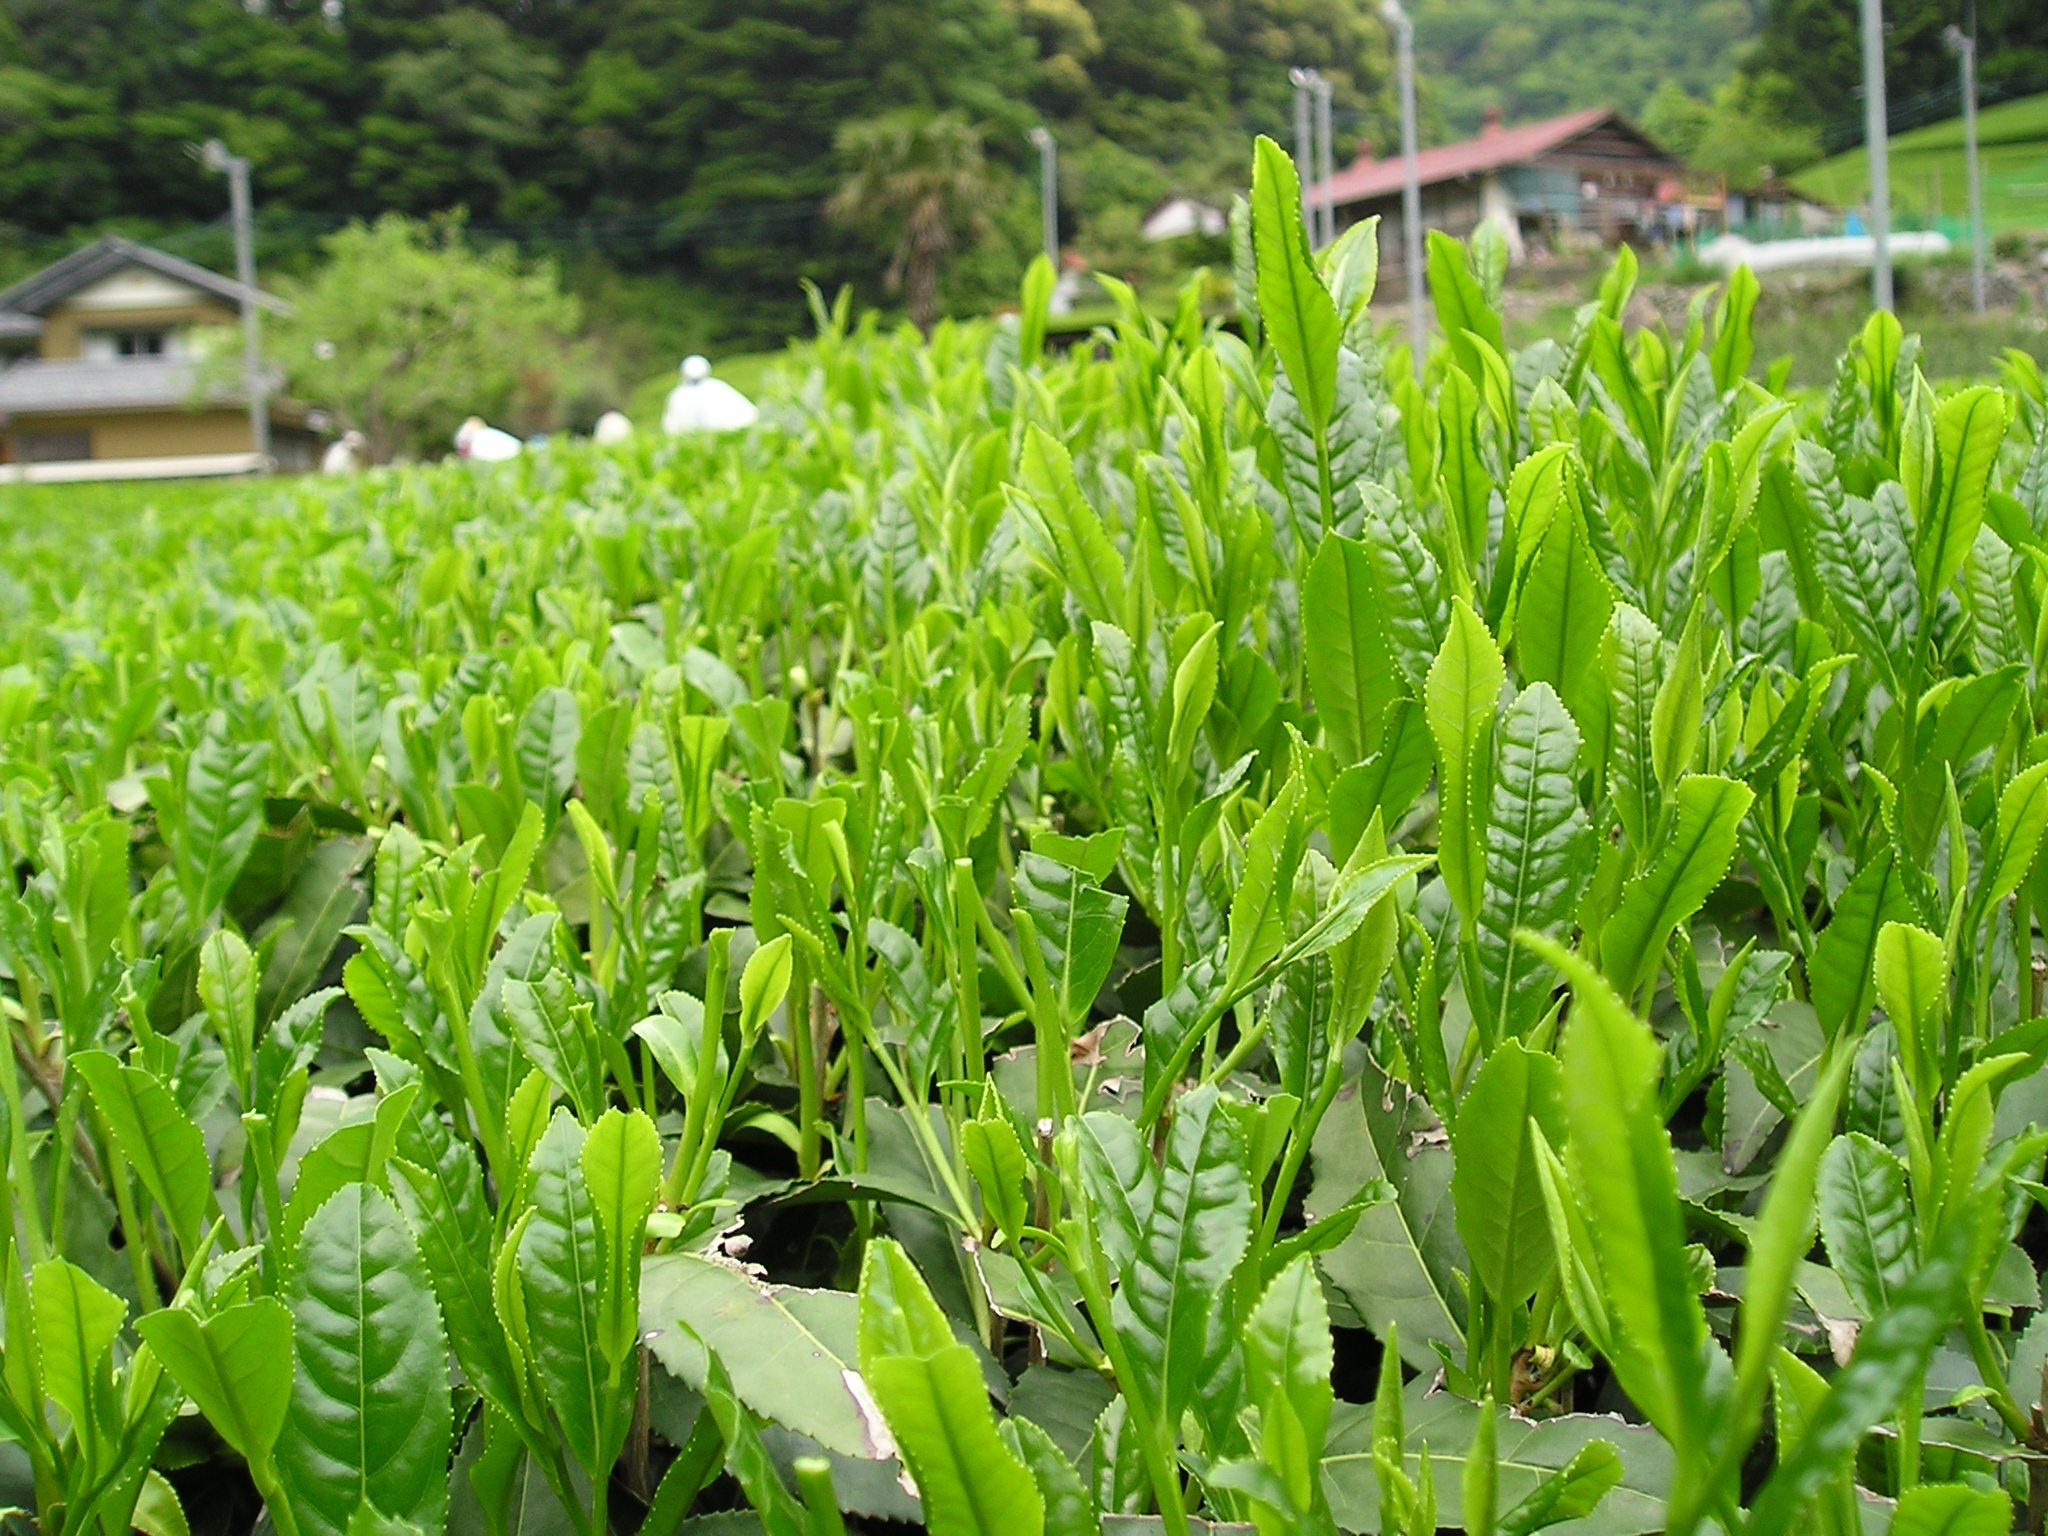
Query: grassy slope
[1927,168]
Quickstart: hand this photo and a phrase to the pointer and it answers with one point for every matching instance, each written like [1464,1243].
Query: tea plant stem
[24,1205]
[803,1039]
[1991,1370]
[133,1229]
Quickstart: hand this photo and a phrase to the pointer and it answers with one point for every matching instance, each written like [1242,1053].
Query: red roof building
[1585,178]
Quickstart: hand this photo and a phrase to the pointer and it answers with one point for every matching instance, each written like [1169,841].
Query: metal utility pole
[1049,191]
[1876,127]
[1325,158]
[1411,178]
[1964,47]
[1304,147]
[214,155]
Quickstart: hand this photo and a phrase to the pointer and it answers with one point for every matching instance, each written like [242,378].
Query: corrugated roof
[45,386]
[38,294]
[1367,179]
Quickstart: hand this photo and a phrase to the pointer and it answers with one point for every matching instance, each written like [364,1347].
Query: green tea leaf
[370,1414]
[930,1389]
[1540,850]
[157,1138]
[1684,871]
[1349,667]
[1295,309]
[1866,1220]
[236,1367]
[1462,696]
[1499,1201]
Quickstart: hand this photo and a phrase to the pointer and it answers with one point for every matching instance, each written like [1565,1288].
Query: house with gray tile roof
[104,371]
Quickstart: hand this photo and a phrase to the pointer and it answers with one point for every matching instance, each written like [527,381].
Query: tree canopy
[695,137]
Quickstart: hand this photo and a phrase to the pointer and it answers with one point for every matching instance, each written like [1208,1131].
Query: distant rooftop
[37,295]
[1494,149]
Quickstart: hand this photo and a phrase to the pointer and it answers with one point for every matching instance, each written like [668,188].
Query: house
[101,376]
[1583,179]
[1179,217]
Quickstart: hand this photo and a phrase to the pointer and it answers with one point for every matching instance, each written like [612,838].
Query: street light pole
[1876,127]
[1325,157]
[1304,147]
[215,157]
[1048,192]
[1411,178]
[1964,47]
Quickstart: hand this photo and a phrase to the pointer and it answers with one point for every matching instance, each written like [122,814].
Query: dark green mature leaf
[1398,1267]
[1189,1243]
[324,899]
[747,1459]
[552,1027]
[1866,1220]
[439,1187]
[1530,1456]
[1121,1180]
[1540,850]
[795,1350]
[370,1415]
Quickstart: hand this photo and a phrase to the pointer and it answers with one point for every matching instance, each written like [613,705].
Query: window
[52,447]
[108,346]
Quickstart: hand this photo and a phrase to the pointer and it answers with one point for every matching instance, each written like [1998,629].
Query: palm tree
[919,178]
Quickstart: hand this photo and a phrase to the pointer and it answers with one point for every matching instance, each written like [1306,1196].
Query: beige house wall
[150,434]
[64,325]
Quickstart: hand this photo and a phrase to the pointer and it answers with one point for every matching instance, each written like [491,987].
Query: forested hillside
[693,136]
[681,153]
[1537,58]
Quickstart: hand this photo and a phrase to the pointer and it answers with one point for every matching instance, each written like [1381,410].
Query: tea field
[1186,934]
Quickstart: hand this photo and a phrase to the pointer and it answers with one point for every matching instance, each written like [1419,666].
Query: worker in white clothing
[344,456]
[704,404]
[477,440]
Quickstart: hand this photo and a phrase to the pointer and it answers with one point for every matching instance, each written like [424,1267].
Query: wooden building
[101,377]
[1550,187]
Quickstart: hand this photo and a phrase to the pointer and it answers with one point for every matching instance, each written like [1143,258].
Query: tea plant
[1200,932]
